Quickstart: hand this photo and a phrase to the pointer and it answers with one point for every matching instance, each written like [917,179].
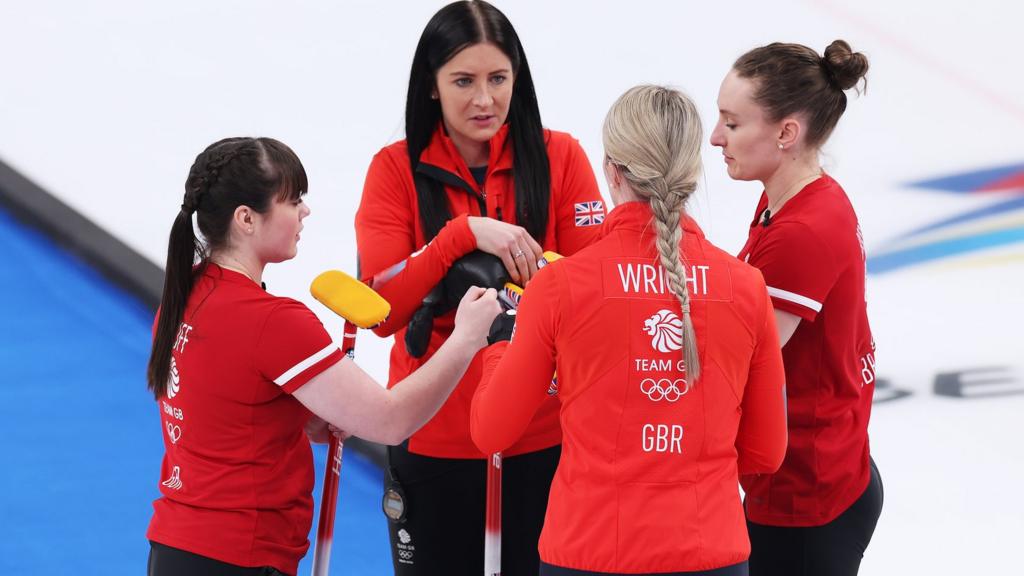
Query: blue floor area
[80,434]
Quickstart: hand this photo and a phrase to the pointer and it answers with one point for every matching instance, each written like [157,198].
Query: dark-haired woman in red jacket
[477,171]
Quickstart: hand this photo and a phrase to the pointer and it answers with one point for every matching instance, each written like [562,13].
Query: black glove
[503,327]
[417,336]
[474,269]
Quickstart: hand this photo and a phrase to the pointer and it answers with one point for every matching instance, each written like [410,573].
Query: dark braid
[205,175]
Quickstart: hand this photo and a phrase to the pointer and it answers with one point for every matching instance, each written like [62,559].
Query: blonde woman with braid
[670,376]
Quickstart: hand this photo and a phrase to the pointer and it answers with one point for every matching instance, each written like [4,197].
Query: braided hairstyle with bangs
[230,173]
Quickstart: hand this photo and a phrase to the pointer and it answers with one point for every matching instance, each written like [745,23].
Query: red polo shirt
[812,257]
[237,473]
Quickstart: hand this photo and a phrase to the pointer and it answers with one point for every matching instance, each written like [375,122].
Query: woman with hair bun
[670,378]
[777,107]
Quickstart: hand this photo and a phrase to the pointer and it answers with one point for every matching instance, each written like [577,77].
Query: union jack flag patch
[589,213]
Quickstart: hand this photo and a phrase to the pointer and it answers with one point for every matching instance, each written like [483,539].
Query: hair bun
[845,67]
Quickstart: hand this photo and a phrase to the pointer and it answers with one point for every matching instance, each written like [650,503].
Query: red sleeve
[761,440]
[579,208]
[517,374]
[798,267]
[294,346]
[389,257]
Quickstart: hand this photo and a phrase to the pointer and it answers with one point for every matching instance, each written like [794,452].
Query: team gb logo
[173,383]
[666,330]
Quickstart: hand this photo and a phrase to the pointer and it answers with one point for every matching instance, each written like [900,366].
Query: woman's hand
[320,432]
[518,251]
[316,429]
[473,319]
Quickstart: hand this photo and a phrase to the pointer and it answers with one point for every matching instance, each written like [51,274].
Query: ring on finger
[518,254]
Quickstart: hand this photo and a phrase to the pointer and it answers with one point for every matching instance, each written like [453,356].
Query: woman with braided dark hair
[238,373]
[777,107]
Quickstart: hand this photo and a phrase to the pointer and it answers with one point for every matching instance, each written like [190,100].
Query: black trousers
[733,570]
[445,500]
[167,561]
[834,549]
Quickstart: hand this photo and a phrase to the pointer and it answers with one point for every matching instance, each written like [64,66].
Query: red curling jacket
[648,478]
[395,256]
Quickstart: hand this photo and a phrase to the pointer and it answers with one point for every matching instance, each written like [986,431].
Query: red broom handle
[332,474]
[492,528]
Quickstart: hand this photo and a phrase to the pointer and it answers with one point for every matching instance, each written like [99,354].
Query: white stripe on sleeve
[298,368]
[795,298]
[382,277]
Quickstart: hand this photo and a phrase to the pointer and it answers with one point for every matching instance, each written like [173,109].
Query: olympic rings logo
[405,555]
[664,389]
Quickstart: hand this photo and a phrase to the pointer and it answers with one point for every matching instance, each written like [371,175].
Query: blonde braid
[667,209]
[653,135]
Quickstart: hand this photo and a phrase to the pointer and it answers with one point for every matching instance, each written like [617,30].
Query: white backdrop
[106,104]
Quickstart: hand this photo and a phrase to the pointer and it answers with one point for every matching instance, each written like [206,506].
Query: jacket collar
[637,216]
[216,271]
[442,154]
